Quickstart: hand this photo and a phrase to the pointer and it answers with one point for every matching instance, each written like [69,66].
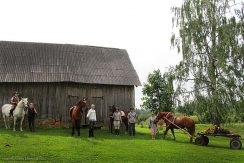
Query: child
[153,126]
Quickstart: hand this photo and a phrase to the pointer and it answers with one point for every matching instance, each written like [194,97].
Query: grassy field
[53,145]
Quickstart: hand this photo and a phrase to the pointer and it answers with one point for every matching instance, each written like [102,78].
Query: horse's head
[159,116]
[82,103]
[24,101]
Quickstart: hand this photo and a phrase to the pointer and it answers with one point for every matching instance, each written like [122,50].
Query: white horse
[19,113]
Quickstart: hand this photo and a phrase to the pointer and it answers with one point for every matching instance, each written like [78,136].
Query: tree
[158,92]
[211,42]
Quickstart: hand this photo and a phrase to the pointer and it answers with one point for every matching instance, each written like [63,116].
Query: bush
[195,119]
[242,117]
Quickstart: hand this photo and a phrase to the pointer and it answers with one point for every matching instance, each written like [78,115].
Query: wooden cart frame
[235,142]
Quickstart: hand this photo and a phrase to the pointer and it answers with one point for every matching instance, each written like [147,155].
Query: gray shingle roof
[44,62]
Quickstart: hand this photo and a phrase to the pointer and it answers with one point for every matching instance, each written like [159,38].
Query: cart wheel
[205,140]
[198,140]
[235,143]
[202,140]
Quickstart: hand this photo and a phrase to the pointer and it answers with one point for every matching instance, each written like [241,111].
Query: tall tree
[158,92]
[210,39]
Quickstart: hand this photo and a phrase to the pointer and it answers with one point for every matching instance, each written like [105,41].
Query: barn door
[98,101]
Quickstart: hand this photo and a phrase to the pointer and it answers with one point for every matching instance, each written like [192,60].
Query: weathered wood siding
[53,100]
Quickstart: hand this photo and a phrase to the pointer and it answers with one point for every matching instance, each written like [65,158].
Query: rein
[170,114]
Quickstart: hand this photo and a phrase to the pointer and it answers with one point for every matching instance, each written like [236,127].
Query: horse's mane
[21,99]
[80,103]
[163,114]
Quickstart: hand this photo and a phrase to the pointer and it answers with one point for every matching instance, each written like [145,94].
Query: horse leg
[78,128]
[8,122]
[21,123]
[4,119]
[73,130]
[192,133]
[126,125]
[111,125]
[165,132]
[173,133]
[14,123]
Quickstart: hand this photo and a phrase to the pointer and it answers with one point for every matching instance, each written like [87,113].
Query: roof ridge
[50,43]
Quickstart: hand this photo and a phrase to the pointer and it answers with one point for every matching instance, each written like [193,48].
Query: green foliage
[187,109]
[211,43]
[242,117]
[143,115]
[158,92]
[195,118]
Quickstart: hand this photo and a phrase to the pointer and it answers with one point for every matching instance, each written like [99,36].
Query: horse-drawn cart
[235,142]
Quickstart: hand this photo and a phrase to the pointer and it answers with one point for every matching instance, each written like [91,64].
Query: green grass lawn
[53,145]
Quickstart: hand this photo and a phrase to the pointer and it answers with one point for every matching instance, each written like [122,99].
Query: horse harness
[168,115]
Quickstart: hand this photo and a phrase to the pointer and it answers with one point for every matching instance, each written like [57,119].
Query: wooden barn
[55,76]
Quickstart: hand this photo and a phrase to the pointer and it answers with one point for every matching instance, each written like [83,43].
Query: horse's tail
[4,109]
[70,111]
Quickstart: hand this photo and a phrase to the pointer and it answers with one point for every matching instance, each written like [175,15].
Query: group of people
[132,118]
[91,115]
[117,117]
[31,110]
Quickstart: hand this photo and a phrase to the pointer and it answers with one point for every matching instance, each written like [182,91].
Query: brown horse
[123,118]
[182,122]
[76,114]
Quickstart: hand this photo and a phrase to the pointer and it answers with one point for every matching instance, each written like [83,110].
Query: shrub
[242,117]
[195,118]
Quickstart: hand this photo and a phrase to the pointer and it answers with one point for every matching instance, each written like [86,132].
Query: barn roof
[44,62]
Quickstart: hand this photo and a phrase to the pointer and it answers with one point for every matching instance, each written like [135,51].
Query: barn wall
[53,100]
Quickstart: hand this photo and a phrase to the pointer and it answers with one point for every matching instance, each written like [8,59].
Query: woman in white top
[91,115]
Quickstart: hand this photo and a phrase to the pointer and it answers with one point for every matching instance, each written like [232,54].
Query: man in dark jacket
[31,116]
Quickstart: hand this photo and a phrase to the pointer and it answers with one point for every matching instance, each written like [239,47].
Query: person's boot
[92,133]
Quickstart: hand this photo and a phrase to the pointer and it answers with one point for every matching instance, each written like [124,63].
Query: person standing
[117,121]
[14,101]
[153,126]
[31,116]
[91,115]
[132,117]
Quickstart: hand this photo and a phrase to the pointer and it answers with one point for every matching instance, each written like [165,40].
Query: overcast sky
[142,27]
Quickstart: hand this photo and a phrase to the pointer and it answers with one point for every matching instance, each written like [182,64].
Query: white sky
[143,27]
